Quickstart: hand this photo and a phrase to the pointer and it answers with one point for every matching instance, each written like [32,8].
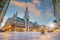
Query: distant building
[17,22]
[43,27]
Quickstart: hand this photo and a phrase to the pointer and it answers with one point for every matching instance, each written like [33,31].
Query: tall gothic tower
[26,17]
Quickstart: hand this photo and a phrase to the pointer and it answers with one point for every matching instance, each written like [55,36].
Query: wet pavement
[29,36]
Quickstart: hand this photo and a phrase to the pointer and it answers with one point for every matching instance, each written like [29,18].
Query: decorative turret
[26,16]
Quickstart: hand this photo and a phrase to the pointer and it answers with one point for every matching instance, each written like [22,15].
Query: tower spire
[15,14]
[26,17]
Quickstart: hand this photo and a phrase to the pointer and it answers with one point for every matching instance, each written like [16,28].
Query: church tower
[26,17]
[15,16]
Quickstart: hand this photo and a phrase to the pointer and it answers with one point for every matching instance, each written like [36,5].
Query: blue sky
[40,11]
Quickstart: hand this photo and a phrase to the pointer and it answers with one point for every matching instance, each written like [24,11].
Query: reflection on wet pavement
[29,36]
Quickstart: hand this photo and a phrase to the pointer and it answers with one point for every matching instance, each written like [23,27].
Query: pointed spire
[26,15]
[15,14]
[26,9]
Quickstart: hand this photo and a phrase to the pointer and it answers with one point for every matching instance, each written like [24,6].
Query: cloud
[31,6]
[48,2]
[34,9]
[37,2]
[49,13]
[19,4]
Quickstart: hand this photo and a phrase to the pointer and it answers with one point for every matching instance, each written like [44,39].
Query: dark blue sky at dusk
[40,11]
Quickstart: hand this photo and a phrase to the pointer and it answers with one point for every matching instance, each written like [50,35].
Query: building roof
[20,19]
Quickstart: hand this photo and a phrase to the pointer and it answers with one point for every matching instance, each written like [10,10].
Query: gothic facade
[17,22]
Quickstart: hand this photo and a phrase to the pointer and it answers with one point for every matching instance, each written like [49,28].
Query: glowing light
[57,30]
[34,30]
[46,31]
[9,26]
[52,25]
[6,34]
